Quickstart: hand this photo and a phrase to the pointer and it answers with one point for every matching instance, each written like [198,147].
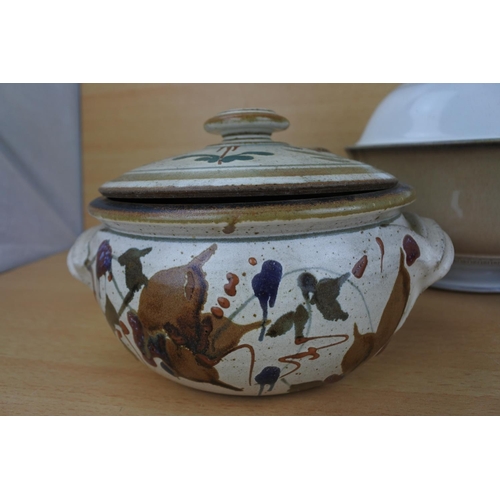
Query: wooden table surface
[59,357]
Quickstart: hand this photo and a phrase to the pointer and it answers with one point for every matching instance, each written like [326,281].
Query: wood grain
[59,357]
[125,126]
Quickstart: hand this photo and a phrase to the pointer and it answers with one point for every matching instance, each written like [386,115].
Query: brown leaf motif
[112,316]
[368,344]
[174,328]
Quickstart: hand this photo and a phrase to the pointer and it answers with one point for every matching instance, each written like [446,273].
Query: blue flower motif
[265,287]
[104,259]
[268,376]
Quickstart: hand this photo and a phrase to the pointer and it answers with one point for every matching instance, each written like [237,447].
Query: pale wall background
[40,171]
[128,125]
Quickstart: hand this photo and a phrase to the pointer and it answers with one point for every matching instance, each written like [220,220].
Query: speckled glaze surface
[259,298]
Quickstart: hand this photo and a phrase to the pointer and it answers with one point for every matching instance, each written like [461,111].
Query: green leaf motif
[324,294]
[247,155]
[207,158]
[283,324]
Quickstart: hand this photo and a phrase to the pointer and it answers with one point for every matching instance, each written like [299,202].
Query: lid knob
[245,122]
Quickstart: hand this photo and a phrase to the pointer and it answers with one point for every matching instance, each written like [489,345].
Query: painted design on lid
[224,157]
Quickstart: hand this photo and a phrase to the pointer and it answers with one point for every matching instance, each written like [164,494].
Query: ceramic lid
[247,163]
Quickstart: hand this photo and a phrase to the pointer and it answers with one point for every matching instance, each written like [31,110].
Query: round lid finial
[246,121]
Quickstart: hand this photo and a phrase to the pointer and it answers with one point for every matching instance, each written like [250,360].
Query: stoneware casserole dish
[252,267]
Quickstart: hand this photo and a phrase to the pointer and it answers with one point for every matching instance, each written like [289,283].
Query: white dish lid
[432,113]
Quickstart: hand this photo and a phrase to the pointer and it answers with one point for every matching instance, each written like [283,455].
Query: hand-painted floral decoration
[324,294]
[171,329]
[411,249]
[103,262]
[210,158]
[265,286]
[268,376]
[134,277]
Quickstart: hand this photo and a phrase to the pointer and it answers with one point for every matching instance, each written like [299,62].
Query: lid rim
[262,190]
[342,205]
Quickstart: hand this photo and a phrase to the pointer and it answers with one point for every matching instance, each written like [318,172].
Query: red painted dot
[411,249]
[230,288]
[217,312]
[124,328]
[223,302]
[360,266]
